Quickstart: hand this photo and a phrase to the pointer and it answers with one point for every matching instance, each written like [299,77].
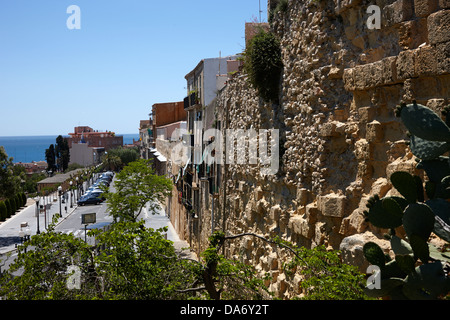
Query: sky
[126,56]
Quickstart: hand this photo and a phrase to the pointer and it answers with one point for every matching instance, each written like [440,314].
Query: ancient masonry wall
[340,140]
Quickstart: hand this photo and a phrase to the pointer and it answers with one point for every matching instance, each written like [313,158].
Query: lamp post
[78,189]
[71,194]
[37,214]
[59,194]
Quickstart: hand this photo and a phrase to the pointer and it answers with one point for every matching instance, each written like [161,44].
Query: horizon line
[56,135]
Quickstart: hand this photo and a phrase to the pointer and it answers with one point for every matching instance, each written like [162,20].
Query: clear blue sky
[128,55]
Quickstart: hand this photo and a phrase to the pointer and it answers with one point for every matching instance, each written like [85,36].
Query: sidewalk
[26,218]
[160,220]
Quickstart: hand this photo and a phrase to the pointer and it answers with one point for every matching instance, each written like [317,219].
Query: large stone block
[405,64]
[443,57]
[332,205]
[424,8]
[312,212]
[425,62]
[425,88]
[374,76]
[374,132]
[367,114]
[360,77]
[303,196]
[352,249]
[301,226]
[439,26]
[412,33]
[349,80]
[399,11]
[389,70]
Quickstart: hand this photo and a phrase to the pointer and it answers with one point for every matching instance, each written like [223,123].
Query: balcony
[188,139]
[191,100]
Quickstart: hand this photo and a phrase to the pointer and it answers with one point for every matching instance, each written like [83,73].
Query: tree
[9,183]
[62,153]
[125,155]
[129,262]
[112,162]
[136,187]
[50,157]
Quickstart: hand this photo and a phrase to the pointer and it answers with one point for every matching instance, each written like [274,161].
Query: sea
[27,149]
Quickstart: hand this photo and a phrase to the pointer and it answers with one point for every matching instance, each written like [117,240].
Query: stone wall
[340,140]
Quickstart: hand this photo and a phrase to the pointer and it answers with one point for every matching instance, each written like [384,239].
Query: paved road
[73,223]
[70,222]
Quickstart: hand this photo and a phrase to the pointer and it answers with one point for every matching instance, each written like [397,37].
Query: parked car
[93,189]
[106,176]
[106,182]
[91,198]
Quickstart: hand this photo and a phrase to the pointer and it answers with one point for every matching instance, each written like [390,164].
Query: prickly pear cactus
[419,270]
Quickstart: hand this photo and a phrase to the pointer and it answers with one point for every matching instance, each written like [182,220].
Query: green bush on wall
[263,64]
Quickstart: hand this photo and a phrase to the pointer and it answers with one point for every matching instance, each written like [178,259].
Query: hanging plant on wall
[263,64]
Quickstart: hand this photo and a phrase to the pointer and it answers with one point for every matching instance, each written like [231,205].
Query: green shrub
[281,6]
[24,199]
[18,201]
[14,205]
[9,209]
[3,211]
[263,65]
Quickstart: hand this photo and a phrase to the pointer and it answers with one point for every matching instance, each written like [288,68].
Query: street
[72,224]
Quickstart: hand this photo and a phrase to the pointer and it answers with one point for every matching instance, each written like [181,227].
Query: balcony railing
[191,100]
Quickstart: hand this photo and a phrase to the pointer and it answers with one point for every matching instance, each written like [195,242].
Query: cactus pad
[424,123]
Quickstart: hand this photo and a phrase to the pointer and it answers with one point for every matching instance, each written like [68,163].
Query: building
[106,139]
[168,120]
[34,167]
[88,145]
[51,184]
[84,155]
[191,177]
[145,137]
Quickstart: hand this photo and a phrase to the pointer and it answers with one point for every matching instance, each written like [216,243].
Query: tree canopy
[136,187]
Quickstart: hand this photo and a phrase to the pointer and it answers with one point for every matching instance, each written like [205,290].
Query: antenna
[260,11]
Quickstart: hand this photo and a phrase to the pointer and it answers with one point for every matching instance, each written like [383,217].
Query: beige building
[84,155]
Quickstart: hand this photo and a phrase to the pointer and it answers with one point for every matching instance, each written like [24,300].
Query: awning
[185,167]
[161,158]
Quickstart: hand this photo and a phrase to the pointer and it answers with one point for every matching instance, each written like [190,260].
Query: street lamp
[59,194]
[37,213]
[71,194]
[78,189]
